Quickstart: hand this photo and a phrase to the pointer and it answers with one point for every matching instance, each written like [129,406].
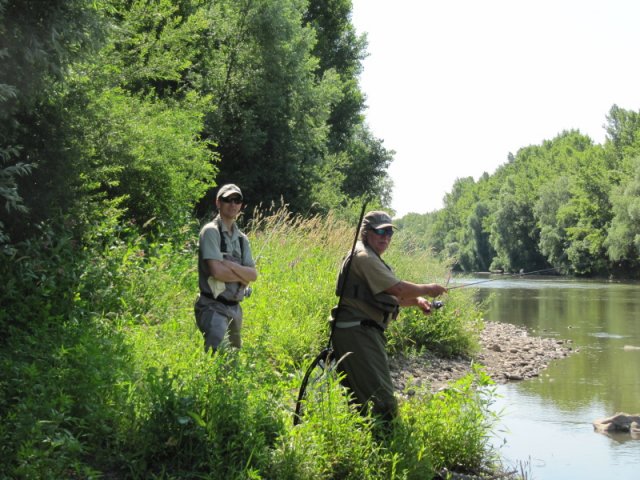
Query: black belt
[224,301]
[371,323]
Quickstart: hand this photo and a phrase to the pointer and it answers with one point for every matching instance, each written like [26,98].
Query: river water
[546,422]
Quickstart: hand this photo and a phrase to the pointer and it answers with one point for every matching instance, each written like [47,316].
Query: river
[546,422]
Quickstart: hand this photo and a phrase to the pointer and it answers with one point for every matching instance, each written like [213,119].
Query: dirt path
[508,353]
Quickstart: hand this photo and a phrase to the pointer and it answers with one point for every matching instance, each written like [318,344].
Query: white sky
[453,86]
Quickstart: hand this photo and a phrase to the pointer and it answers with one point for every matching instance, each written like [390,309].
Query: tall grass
[120,387]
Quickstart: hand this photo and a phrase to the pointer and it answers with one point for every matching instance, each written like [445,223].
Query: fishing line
[503,276]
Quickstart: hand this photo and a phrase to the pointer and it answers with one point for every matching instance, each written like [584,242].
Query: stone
[620,422]
[503,364]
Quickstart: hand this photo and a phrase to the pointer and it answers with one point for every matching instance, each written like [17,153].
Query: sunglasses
[236,200]
[383,231]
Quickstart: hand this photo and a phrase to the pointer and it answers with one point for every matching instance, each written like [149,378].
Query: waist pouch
[224,301]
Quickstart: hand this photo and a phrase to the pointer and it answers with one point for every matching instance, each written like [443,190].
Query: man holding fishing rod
[370,297]
[225,269]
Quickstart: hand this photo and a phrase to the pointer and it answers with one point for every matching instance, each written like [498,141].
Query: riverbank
[509,353]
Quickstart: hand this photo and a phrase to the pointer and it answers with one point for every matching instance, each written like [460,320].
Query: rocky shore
[508,353]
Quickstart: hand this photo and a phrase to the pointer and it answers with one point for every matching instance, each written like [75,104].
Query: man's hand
[436,290]
[424,305]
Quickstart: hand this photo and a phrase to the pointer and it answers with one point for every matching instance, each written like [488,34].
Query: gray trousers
[214,320]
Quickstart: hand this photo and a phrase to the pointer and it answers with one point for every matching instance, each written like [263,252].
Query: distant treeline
[568,203]
[141,107]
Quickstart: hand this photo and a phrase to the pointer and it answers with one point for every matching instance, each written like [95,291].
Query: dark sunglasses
[236,200]
[383,231]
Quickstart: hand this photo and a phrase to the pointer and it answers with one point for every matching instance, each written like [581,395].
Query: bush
[451,426]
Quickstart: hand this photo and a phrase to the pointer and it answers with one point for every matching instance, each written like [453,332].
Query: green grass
[118,385]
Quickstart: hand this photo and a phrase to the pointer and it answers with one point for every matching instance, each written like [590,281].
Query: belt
[224,301]
[371,323]
[362,323]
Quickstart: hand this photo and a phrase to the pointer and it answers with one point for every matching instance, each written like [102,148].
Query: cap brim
[385,225]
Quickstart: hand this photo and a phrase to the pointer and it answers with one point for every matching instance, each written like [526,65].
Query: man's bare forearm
[227,271]
[405,291]
[245,274]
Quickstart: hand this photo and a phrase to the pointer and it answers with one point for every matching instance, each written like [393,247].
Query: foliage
[514,234]
[151,48]
[147,154]
[565,203]
[39,42]
[138,103]
[622,131]
[623,240]
[114,380]
[450,331]
[549,209]
[452,426]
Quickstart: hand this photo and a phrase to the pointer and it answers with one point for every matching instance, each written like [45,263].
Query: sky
[454,86]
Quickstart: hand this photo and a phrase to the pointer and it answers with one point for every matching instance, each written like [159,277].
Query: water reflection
[549,418]
[561,444]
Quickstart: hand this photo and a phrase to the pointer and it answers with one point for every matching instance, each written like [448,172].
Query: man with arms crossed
[225,269]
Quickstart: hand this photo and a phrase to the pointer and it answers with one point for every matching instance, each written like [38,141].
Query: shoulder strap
[352,287]
[223,243]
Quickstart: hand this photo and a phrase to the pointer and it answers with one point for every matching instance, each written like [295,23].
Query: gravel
[508,353]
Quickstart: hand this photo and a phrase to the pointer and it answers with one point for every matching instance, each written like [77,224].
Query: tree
[270,123]
[553,231]
[482,252]
[588,215]
[514,234]
[338,48]
[623,236]
[39,41]
[623,132]
[140,120]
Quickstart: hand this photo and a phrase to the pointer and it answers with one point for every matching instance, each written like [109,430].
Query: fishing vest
[223,243]
[233,291]
[350,286]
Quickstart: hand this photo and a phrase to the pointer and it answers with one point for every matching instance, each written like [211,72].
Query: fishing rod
[324,357]
[508,275]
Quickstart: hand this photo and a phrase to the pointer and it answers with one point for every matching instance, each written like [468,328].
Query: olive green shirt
[372,272]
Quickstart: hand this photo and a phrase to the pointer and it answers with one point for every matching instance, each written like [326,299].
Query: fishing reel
[436,304]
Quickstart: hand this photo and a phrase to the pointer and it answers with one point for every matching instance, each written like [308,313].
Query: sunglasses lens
[383,231]
[235,200]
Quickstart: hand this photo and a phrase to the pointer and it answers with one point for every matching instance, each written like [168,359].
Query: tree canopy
[566,204]
[147,106]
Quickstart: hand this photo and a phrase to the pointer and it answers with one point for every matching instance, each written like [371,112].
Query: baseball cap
[228,190]
[377,219]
